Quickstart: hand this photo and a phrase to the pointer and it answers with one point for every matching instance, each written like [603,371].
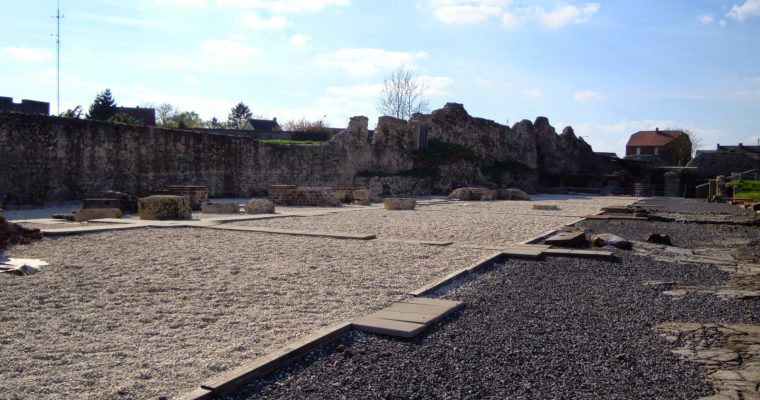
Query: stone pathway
[729,353]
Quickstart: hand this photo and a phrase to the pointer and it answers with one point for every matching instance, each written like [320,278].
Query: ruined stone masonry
[46,158]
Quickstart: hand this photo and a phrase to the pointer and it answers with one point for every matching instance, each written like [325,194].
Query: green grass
[746,189]
[294,142]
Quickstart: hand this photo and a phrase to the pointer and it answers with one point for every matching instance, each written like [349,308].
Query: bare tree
[696,141]
[403,94]
[304,125]
[165,113]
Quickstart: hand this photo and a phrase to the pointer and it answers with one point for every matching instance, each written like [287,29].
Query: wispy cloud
[366,61]
[585,96]
[567,14]
[275,23]
[286,6]
[298,39]
[217,56]
[510,16]
[532,93]
[28,54]
[182,3]
[740,12]
[117,20]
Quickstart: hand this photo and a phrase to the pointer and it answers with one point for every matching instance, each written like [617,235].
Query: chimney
[657,130]
[718,146]
[740,145]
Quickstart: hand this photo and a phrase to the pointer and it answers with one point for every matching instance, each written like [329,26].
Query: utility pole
[58,17]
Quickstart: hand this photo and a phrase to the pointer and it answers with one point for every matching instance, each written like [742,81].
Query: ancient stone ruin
[50,159]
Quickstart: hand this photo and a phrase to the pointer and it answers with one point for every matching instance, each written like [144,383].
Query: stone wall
[50,158]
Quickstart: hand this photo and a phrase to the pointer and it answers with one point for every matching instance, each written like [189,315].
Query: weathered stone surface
[11,233]
[568,239]
[220,208]
[512,194]
[399,204]
[546,207]
[362,197]
[608,239]
[89,214]
[164,207]
[473,194]
[259,206]
[196,194]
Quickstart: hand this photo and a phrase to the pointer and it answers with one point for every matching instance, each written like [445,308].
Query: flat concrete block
[388,327]
[424,309]
[434,302]
[523,252]
[596,254]
[89,214]
[403,317]
[567,239]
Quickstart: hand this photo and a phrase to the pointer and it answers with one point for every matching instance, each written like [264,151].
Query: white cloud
[28,54]
[510,20]
[566,14]
[752,140]
[466,13]
[750,8]
[706,19]
[532,93]
[117,20]
[754,80]
[191,79]
[299,39]
[228,51]
[286,6]
[366,61]
[186,3]
[585,96]
[435,86]
[275,23]
[510,16]
[218,56]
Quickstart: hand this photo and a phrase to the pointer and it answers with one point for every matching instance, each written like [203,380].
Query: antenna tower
[58,17]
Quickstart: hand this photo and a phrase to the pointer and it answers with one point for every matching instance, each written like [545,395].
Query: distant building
[26,106]
[727,160]
[262,125]
[146,116]
[660,147]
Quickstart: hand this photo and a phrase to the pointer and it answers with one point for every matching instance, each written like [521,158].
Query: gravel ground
[682,234]
[154,312]
[691,206]
[495,223]
[560,328]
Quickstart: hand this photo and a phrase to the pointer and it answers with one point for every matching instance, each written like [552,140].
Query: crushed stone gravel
[559,328]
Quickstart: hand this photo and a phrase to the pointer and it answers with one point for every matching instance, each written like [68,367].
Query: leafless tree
[403,94]
[165,113]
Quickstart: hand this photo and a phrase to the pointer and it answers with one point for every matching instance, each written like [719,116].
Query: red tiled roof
[652,138]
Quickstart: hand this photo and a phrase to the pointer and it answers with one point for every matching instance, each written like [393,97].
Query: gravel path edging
[264,365]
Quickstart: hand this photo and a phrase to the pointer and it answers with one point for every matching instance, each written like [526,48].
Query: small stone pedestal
[164,207]
[399,204]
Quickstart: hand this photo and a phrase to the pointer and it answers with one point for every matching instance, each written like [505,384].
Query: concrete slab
[614,216]
[567,239]
[596,254]
[388,327]
[523,252]
[403,317]
[433,302]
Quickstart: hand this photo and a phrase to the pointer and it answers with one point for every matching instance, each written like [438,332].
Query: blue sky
[607,68]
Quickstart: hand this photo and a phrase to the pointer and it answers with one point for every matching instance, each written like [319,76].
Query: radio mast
[58,17]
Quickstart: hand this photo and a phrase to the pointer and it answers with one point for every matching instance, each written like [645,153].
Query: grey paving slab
[388,327]
[403,317]
[89,229]
[596,254]
[523,252]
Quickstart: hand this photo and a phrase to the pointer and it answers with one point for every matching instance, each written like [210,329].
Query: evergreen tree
[239,116]
[103,107]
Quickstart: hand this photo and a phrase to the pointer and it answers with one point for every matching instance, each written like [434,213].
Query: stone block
[220,208]
[89,214]
[362,197]
[259,206]
[473,194]
[164,207]
[511,194]
[399,204]
[196,194]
